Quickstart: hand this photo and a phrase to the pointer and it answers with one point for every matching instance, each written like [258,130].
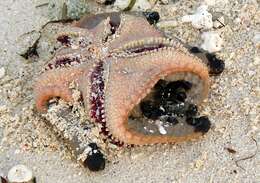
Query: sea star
[116,60]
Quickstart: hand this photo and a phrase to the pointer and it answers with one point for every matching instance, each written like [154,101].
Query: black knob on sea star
[152,17]
[95,160]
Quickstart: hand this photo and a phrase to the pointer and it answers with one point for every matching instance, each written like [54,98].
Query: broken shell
[212,42]
[201,19]
[20,174]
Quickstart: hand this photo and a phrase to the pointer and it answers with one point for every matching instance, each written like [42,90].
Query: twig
[130,5]
[230,150]
[248,157]
[41,5]
[223,25]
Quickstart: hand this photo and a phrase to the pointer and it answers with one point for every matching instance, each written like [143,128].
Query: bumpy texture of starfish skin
[119,64]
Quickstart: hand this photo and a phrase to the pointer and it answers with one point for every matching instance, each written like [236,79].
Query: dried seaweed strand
[248,157]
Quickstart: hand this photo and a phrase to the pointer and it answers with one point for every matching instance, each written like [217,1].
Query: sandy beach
[229,152]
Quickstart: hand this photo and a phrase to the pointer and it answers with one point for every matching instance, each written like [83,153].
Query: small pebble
[192,110]
[256,39]
[212,42]
[20,174]
[175,91]
[150,110]
[172,120]
[161,128]
[173,108]
[180,94]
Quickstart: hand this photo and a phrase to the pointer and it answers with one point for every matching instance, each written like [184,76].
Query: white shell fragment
[20,174]
[202,19]
[161,128]
[212,42]
[2,72]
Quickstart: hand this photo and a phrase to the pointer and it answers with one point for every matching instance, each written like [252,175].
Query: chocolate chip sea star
[116,60]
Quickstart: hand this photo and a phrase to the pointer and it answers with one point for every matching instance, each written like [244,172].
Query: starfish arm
[74,38]
[88,85]
[131,79]
[90,22]
[100,25]
[132,28]
[55,83]
[122,27]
